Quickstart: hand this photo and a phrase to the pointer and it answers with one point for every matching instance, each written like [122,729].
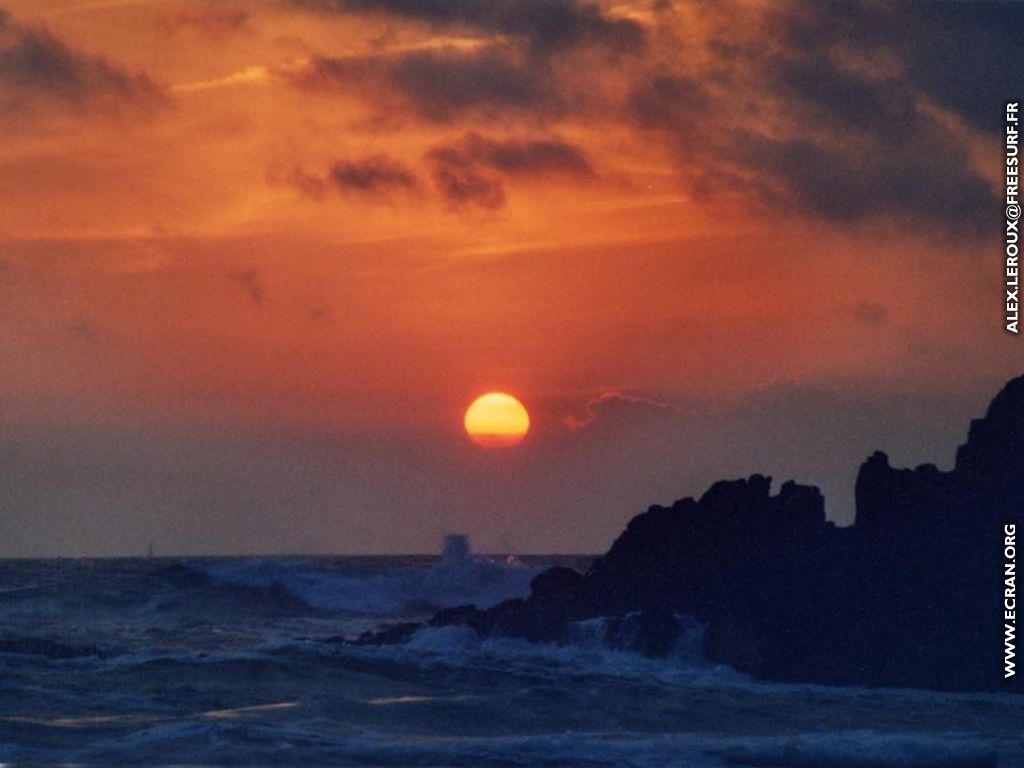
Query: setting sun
[496,420]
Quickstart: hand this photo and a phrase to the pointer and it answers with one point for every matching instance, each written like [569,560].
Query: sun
[496,420]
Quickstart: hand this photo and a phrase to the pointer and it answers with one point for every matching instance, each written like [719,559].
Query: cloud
[465,184]
[375,177]
[618,407]
[39,72]
[828,111]
[824,113]
[954,54]
[526,157]
[547,25]
[668,99]
[926,181]
[470,169]
[533,59]
[372,175]
[255,74]
[438,85]
[251,283]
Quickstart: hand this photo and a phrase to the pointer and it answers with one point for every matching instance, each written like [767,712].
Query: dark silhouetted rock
[735,642]
[556,586]
[525,620]
[991,463]
[910,595]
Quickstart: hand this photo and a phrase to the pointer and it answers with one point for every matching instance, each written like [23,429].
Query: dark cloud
[844,112]
[842,100]
[250,282]
[529,157]
[39,71]
[823,114]
[440,85]
[377,176]
[668,99]
[952,54]
[928,181]
[956,54]
[465,184]
[373,175]
[988,48]
[548,25]
[471,169]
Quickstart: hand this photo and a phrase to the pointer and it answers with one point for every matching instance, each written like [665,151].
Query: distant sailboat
[149,550]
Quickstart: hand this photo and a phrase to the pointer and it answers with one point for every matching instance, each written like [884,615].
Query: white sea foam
[459,578]
[587,653]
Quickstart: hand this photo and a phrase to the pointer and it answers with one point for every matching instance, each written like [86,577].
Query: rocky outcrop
[910,595]
[704,557]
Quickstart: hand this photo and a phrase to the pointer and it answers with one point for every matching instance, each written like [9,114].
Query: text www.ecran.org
[1009,597]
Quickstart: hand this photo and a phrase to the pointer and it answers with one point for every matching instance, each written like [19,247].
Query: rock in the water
[910,595]
[525,620]
[556,587]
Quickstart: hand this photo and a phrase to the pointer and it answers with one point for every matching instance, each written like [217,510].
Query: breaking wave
[458,578]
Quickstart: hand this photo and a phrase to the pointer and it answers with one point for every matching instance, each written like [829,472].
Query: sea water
[238,661]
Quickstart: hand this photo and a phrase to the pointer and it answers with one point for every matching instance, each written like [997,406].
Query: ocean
[238,661]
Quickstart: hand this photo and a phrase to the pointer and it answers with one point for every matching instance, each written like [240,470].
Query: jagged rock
[694,556]
[910,595]
[556,587]
[992,460]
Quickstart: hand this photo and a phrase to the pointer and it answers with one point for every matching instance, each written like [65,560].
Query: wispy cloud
[255,74]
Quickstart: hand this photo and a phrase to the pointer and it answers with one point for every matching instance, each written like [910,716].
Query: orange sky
[347,219]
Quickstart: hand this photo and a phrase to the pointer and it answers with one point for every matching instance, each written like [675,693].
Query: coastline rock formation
[910,595]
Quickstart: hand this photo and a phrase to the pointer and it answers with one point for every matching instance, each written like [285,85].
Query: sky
[256,259]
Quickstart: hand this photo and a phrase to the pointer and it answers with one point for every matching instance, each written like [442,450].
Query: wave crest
[458,578]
